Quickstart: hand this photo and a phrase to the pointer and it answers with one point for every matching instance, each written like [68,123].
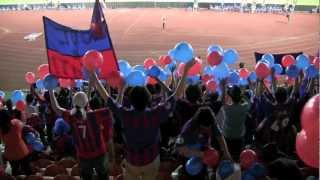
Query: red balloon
[43,70]
[316,62]
[164,60]
[92,60]
[149,62]
[30,77]
[247,158]
[308,149]
[151,81]
[21,105]
[65,83]
[211,85]
[287,60]
[290,81]
[310,117]
[194,70]
[211,157]
[115,79]
[205,78]
[214,58]
[244,72]
[262,70]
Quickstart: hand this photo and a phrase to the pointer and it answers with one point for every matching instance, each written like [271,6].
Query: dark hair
[29,98]
[235,93]
[5,121]
[16,114]
[63,102]
[139,97]
[281,95]
[47,96]
[193,93]
[95,103]
[154,89]
[203,117]
[241,65]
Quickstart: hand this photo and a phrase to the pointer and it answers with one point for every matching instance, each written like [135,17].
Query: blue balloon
[265,61]
[16,96]
[37,146]
[230,56]
[139,68]
[194,166]
[208,70]
[243,82]
[277,68]
[172,66]
[164,75]
[2,94]
[136,78]
[302,61]
[124,67]
[154,71]
[183,52]
[50,82]
[39,84]
[247,176]
[257,170]
[221,71]
[193,80]
[292,71]
[225,169]
[312,71]
[234,78]
[79,83]
[269,58]
[61,127]
[253,76]
[30,138]
[215,47]
[196,146]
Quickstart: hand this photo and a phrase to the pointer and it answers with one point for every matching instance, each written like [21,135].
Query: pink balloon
[43,70]
[149,62]
[247,158]
[310,117]
[244,72]
[92,60]
[308,149]
[316,62]
[214,58]
[262,70]
[211,85]
[287,60]
[30,77]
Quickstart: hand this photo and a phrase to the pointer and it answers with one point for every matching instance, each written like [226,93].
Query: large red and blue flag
[66,46]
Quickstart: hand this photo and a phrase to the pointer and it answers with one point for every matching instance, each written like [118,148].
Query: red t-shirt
[15,147]
[91,135]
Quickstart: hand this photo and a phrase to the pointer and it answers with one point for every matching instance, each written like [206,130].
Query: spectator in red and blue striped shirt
[88,131]
[141,127]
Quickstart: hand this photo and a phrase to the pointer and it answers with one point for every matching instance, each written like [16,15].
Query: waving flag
[66,46]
